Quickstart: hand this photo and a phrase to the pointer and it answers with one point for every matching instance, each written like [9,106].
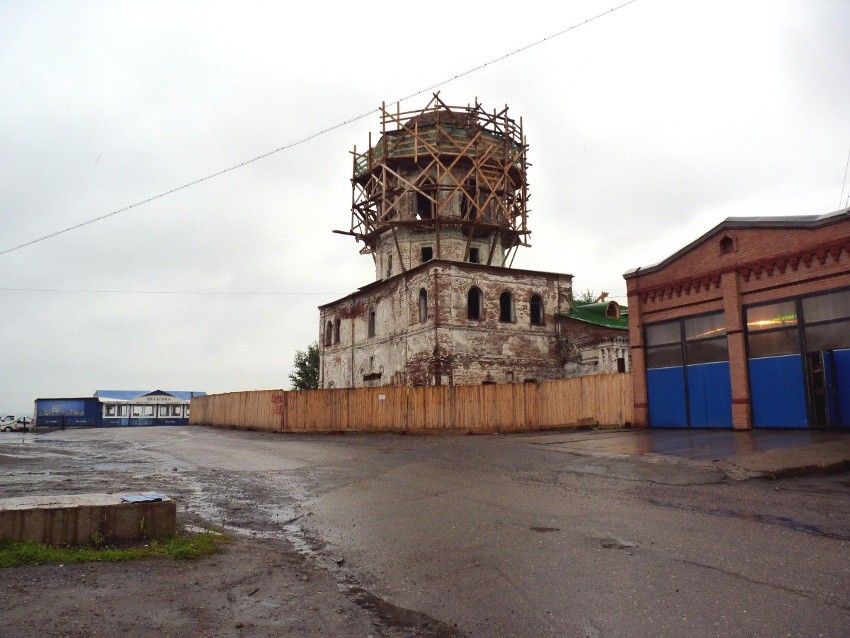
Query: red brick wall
[764,264]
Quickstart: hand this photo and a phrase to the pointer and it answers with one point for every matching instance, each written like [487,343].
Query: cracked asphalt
[551,534]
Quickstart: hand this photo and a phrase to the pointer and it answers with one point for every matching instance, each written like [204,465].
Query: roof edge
[423,266]
[790,221]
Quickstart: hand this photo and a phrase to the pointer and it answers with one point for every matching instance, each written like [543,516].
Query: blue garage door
[710,395]
[776,366]
[799,364]
[841,371]
[687,375]
[826,318]
[666,395]
[777,389]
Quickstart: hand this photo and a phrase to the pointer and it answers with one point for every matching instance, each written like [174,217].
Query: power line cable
[844,182]
[165,292]
[316,134]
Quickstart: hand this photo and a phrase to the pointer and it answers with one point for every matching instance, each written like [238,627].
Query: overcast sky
[646,128]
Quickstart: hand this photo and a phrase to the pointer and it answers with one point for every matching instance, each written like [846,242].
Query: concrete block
[79,519]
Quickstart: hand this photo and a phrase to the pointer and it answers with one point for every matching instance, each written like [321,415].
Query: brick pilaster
[736,337]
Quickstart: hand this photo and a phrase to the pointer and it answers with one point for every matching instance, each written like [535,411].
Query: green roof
[598,314]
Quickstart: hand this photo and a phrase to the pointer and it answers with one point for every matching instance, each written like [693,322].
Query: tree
[584,298]
[305,375]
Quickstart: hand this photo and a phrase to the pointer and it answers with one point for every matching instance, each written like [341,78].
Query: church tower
[441,183]
[440,203]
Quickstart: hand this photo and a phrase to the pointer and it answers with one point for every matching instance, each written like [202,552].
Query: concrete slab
[738,455]
[814,457]
[81,519]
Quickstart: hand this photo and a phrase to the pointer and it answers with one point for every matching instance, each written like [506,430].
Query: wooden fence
[604,399]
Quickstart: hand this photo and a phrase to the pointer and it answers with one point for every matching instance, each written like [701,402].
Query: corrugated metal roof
[596,313]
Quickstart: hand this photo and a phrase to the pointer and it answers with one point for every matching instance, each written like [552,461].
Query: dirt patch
[257,588]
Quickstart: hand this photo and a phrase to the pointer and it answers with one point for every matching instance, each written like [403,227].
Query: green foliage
[305,375]
[584,298]
[23,553]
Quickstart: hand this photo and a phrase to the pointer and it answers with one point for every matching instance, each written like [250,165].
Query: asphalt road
[513,535]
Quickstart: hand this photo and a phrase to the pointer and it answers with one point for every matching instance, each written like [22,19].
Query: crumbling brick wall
[443,345]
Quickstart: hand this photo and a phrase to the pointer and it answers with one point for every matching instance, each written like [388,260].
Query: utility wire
[844,183]
[316,134]
[164,292]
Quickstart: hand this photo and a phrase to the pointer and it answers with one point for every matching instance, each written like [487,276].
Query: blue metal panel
[80,421]
[829,387]
[778,392]
[666,393]
[841,371]
[710,395]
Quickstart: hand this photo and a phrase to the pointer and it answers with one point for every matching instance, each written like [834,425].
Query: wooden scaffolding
[443,167]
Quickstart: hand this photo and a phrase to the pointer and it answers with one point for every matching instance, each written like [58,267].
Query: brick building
[598,335]
[748,326]
[439,202]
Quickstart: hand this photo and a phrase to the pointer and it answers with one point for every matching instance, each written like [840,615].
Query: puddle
[614,543]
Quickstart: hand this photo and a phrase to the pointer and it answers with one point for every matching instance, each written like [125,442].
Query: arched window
[727,245]
[536,310]
[507,312]
[337,324]
[474,303]
[423,305]
[329,327]
[372,322]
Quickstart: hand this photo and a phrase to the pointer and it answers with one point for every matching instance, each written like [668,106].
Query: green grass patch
[24,553]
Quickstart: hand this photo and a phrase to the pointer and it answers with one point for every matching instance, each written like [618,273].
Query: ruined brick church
[440,204]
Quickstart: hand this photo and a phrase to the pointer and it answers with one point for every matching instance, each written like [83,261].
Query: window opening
[389,264]
[506,307]
[474,303]
[473,255]
[337,325]
[536,310]
[372,323]
[328,333]
[727,245]
[424,206]
[427,253]
[423,305]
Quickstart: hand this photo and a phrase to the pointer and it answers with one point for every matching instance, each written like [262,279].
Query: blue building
[116,408]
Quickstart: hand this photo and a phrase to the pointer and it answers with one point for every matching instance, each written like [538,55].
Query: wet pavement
[594,533]
[694,444]
[697,444]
